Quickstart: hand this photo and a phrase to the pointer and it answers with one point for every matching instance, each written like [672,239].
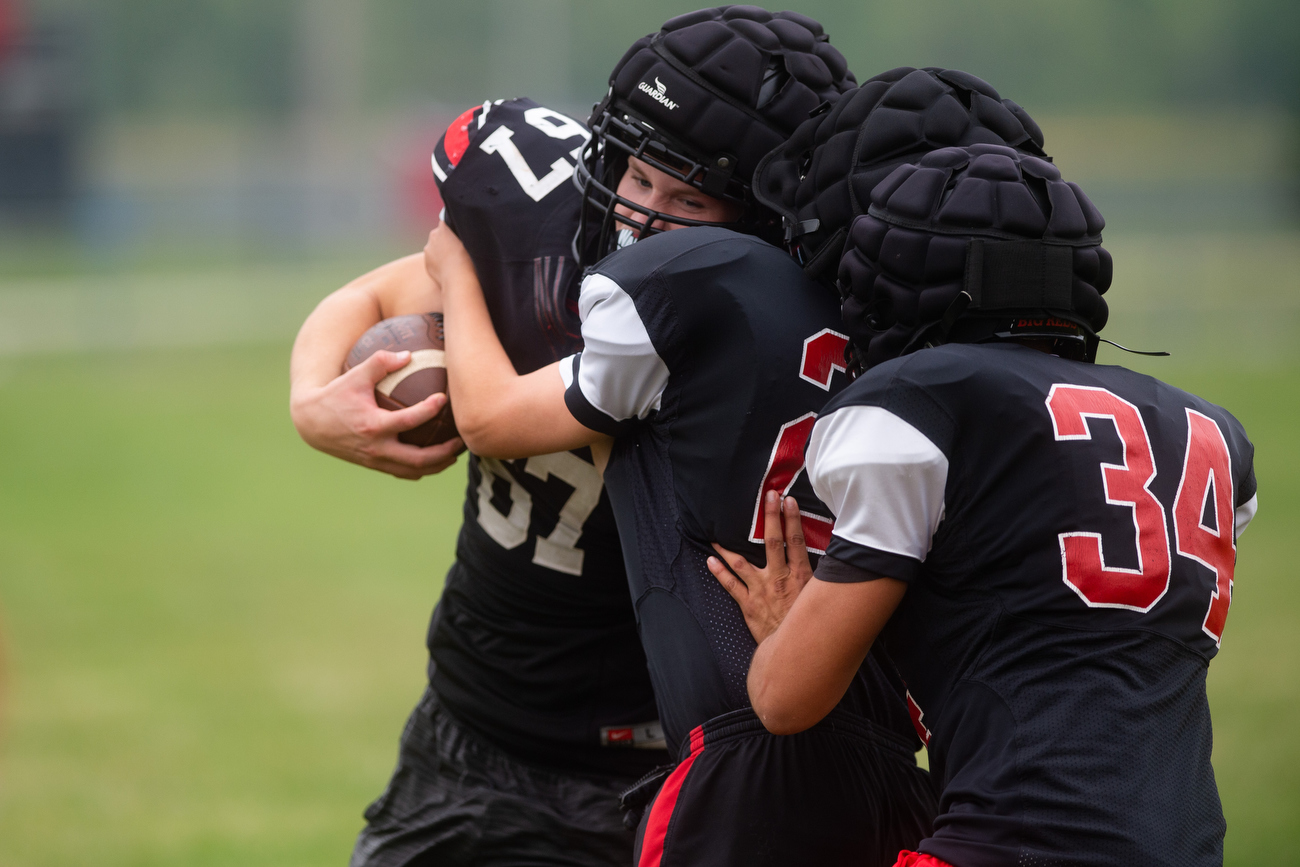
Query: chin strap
[1159,353]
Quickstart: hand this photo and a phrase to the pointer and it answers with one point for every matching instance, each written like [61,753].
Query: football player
[707,356]
[1048,543]
[539,708]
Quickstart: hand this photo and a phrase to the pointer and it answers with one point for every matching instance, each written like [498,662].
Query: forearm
[791,691]
[397,288]
[335,412]
[327,335]
[515,416]
[802,670]
[498,412]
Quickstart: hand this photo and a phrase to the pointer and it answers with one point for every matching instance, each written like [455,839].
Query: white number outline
[559,550]
[1138,529]
[1226,523]
[500,142]
[816,527]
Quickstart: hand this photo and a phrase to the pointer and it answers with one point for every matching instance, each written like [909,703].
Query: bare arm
[813,635]
[803,669]
[499,413]
[337,414]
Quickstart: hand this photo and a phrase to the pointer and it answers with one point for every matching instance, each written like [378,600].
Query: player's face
[652,189]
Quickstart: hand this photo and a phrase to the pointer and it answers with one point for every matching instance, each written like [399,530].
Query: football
[420,334]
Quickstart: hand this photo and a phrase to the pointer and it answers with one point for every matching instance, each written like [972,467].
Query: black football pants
[456,800]
[841,793]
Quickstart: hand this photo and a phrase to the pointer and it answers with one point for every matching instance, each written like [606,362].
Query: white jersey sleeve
[1244,515]
[884,481]
[619,376]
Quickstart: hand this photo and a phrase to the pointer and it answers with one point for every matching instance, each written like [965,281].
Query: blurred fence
[39,121]
[297,133]
[1200,211]
[1209,297]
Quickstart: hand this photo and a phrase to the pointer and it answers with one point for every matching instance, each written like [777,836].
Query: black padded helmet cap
[996,224]
[822,177]
[734,80]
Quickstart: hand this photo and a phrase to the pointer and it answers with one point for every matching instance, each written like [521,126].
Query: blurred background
[212,634]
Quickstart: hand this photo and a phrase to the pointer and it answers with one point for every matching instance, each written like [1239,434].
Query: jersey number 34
[1206,473]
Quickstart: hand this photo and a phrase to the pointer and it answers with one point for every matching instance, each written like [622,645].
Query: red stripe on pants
[916,859]
[656,827]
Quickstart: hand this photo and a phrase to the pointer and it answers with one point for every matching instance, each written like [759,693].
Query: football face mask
[615,138]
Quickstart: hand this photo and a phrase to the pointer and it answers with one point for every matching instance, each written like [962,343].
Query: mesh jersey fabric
[533,644]
[752,354]
[1064,727]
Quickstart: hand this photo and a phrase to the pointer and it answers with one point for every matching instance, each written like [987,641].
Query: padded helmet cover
[733,80]
[822,177]
[996,224]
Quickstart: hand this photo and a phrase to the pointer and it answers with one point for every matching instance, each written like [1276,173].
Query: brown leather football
[421,334]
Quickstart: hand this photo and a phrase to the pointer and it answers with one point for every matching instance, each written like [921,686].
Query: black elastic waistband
[744,723]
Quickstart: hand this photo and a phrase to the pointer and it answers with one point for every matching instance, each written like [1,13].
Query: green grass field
[213,634]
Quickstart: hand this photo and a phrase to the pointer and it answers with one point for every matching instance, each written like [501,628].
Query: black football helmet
[974,244]
[702,100]
[820,178]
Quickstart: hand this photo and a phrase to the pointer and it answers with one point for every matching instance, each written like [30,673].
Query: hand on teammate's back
[342,419]
[766,595]
[445,254]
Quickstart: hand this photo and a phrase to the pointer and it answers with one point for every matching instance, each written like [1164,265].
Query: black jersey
[534,642]
[708,354]
[1068,532]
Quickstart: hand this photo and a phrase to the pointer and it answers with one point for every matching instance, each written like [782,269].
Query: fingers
[412,462]
[435,459]
[398,420]
[442,234]
[796,545]
[773,535]
[343,420]
[445,258]
[729,582]
[379,365]
[442,245]
[739,565]
[433,251]
[431,259]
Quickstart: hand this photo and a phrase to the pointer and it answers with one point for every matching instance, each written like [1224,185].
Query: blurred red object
[11,25]
[420,201]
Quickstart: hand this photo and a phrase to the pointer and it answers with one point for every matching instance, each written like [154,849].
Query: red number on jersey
[1083,561]
[918,717]
[1207,471]
[783,467]
[823,354]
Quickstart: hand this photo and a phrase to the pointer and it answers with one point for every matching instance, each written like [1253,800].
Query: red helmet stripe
[456,141]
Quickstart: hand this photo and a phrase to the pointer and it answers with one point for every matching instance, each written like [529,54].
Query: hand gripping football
[421,334]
